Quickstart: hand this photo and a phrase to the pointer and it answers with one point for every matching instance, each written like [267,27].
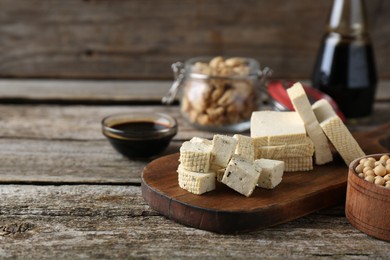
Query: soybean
[375,171]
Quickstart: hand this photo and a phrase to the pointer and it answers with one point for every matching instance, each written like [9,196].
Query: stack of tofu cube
[282,136]
[280,142]
[229,160]
[296,137]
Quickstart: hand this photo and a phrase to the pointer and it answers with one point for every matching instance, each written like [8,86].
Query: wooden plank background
[127,92]
[139,39]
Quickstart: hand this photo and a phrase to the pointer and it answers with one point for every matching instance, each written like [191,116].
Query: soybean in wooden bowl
[367,205]
[138,135]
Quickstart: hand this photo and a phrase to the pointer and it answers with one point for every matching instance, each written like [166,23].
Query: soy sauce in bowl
[139,134]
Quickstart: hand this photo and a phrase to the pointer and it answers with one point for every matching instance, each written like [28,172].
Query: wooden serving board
[226,211]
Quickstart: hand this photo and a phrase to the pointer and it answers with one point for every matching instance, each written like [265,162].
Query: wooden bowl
[367,205]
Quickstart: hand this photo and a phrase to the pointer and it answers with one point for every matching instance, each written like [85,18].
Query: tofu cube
[201,140]
[271,172]
[241,176]
[195,156]
[196,182]
[245,147]
[222,150]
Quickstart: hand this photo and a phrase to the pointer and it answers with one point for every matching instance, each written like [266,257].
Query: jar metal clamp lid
[179,74]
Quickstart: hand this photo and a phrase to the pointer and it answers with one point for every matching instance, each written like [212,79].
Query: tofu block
[260,141]
[201,140]
[302,105]
[195,156]
[322,152]
[337,132]
[245,147]
[295,164]
[323,110]
[286,151]
[241,176]
[222,150]
[271,172]
[271,152]
[196,182]
[280,128]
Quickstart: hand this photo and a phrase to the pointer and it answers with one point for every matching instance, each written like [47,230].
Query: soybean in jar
[220,94]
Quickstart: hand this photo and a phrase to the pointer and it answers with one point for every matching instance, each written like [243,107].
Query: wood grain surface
[53,143]
[84,91]
[80,122]
[141,39]
[87,221]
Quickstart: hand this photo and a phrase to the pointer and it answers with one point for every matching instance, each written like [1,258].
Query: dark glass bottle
[345,67]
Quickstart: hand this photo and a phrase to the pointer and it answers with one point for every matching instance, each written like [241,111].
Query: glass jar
[218,94]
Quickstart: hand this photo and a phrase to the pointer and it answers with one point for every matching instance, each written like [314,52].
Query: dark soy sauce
[146,127]
[346,71]
[345,67]
[146,138]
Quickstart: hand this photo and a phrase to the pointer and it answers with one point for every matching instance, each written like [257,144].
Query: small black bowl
[139,134]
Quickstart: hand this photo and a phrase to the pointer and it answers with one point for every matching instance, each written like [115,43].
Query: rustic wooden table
[65,193]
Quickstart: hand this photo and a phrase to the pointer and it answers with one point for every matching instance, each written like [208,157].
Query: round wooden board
[226,211]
